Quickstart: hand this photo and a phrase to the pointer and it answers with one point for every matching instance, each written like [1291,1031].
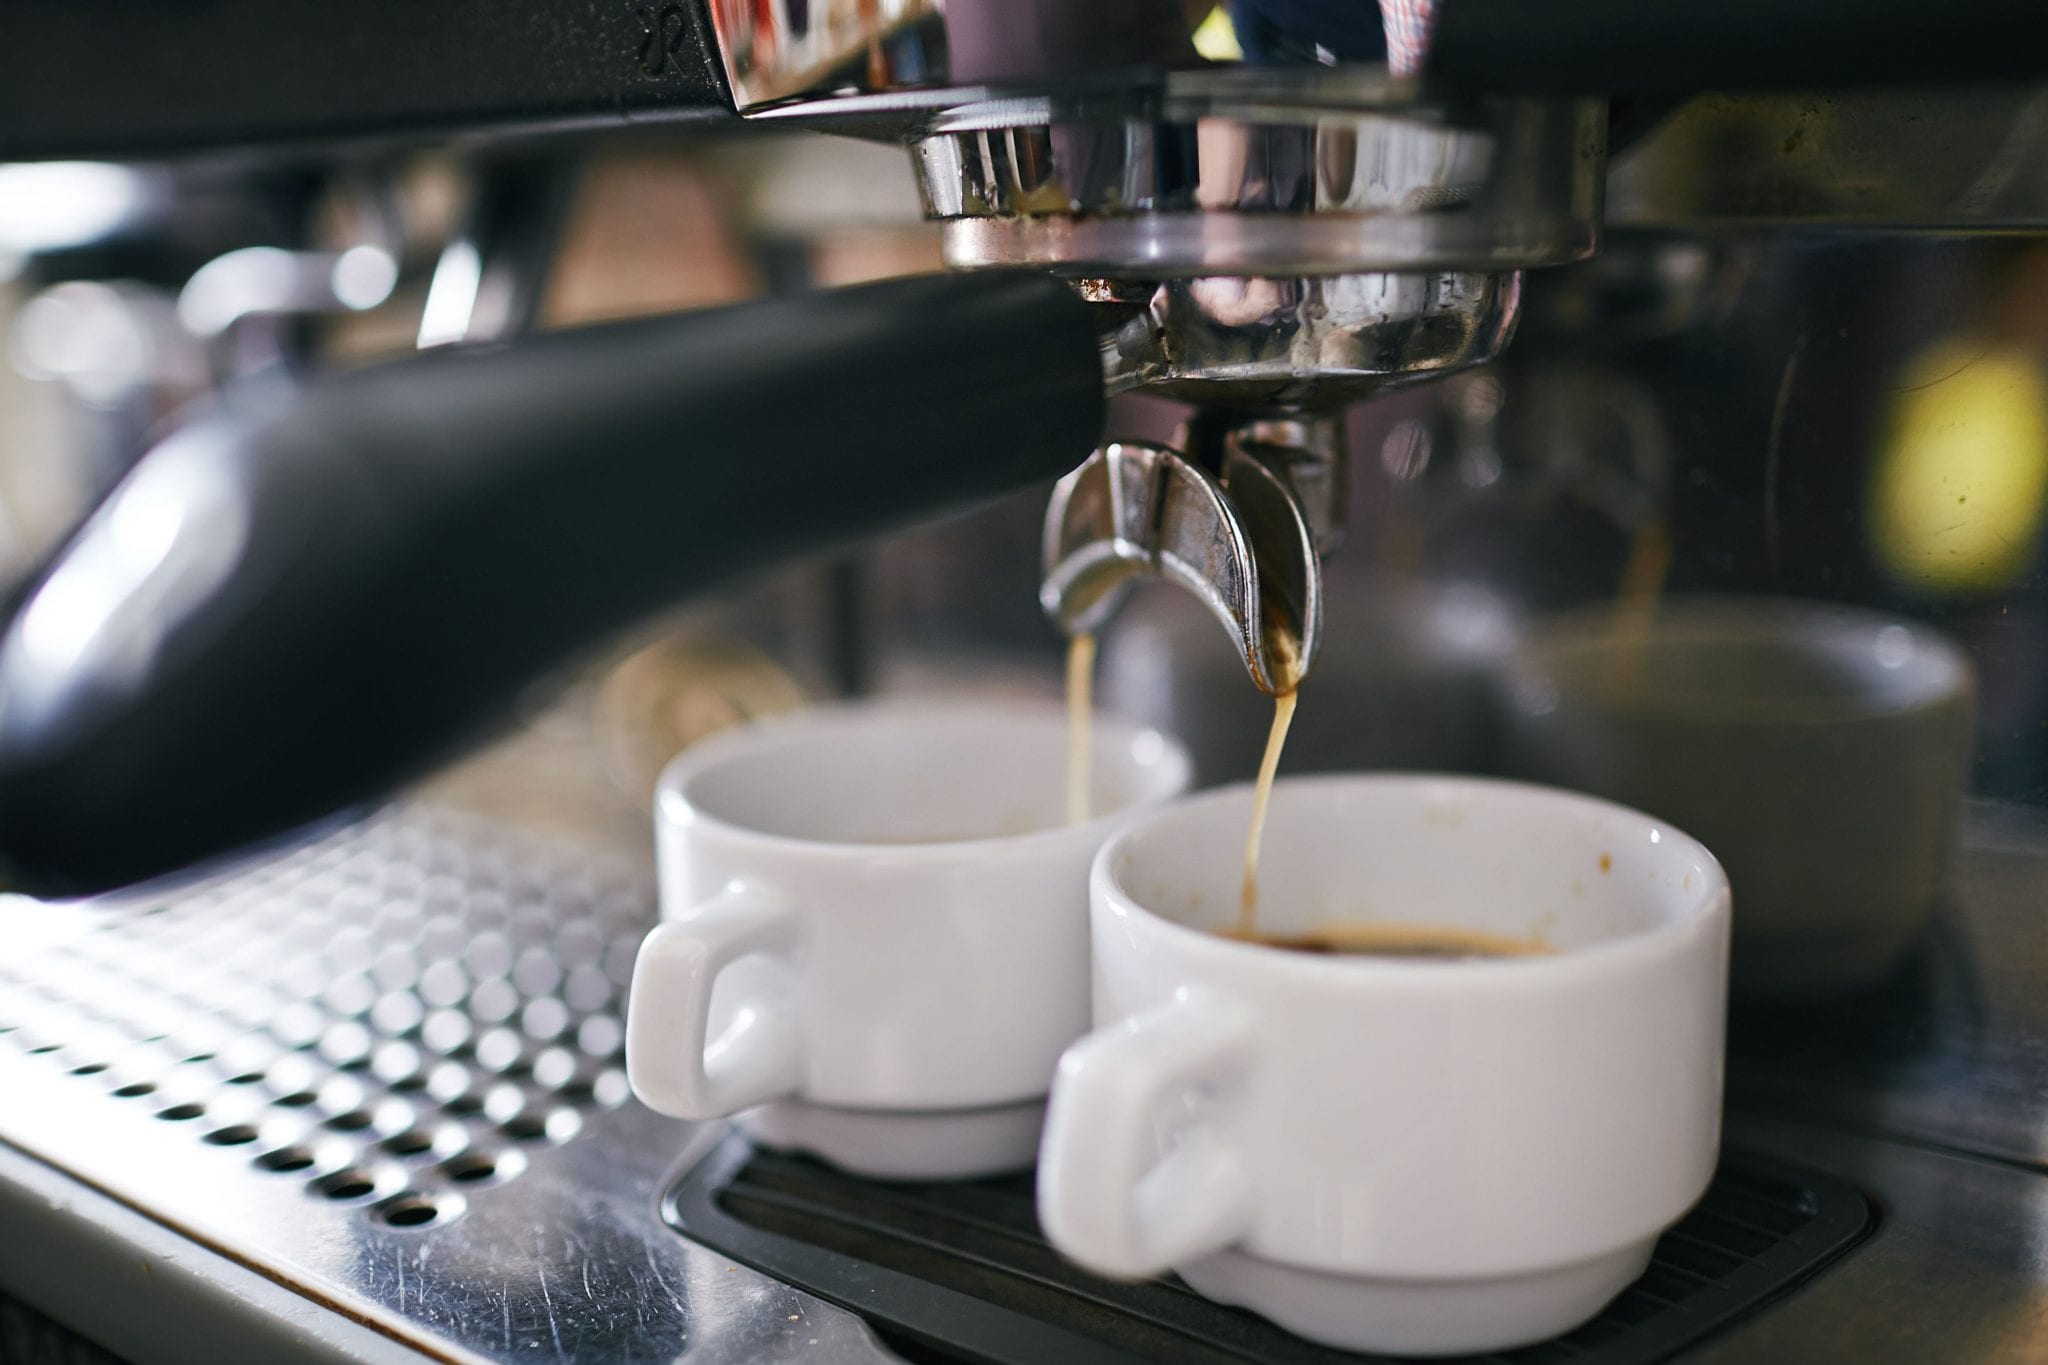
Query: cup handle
[675,1067]
[1105,1198]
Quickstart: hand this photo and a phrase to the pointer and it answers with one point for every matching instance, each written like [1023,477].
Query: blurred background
[1858,418]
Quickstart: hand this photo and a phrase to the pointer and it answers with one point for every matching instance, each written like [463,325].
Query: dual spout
[1238,514]
[1249,495]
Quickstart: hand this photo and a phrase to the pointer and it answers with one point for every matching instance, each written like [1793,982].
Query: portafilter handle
[280,614]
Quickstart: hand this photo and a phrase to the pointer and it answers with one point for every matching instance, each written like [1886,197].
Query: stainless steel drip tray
[367,1099]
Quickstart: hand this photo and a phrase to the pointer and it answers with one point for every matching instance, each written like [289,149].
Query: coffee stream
[1635,603]
[1080,724]
[1262,792]
[1642,584]
[1283,649]
[1375,939]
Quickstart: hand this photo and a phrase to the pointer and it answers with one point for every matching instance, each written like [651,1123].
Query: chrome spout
[1245,540]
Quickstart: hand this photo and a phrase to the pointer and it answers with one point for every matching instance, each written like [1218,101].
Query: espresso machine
[1532,307]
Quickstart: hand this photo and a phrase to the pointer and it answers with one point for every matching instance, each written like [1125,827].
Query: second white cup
[1388,1154]
[875,928]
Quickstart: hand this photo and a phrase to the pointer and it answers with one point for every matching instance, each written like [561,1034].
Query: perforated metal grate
[384,1071]
[392,1019]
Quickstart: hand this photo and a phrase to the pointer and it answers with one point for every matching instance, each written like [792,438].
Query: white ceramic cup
[1399,1155]
[874,938]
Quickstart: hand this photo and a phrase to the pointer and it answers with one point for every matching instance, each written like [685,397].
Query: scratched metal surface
[385,1070]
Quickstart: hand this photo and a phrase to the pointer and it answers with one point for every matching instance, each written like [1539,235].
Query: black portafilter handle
[283,615]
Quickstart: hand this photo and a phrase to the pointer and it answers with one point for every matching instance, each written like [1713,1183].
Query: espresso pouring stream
[1285,649]
[1080,724]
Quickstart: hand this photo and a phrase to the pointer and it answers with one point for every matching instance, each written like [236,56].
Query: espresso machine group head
[1268,243]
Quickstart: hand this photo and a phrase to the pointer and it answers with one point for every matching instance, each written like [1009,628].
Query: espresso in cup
[1420,942]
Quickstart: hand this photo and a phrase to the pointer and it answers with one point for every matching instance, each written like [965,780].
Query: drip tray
[960,1271]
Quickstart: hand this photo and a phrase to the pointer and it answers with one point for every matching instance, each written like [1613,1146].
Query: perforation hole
[409,1212]
[286,1159]
[479,1168]
[345,1185]
[410,1143]
[529,1126]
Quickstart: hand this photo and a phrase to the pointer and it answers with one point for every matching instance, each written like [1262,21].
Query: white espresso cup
[874,937]
[1395,1154]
